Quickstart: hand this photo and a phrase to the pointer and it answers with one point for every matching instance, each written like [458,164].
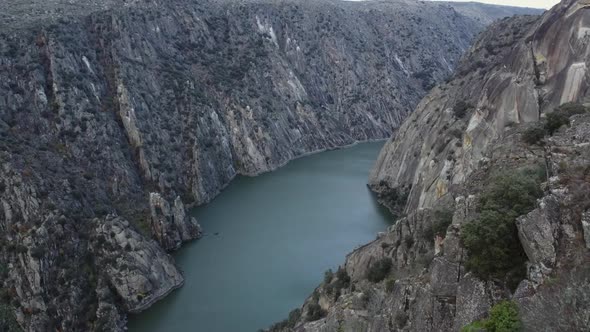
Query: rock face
[116,115]
[139,270]
[171,226]
[517,72]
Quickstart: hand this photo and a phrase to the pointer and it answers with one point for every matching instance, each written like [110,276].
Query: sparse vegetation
[315,312]
[555,120]
[328,275]
[289,322]
[390,284]
[7,319]
[443,219]
[533,135]
[460,109]
[503,318]
[492,239]
[401,318]
[339,281]
[379,269]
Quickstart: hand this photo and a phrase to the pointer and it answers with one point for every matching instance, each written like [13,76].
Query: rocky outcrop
[462,133]
[537,232]
[140,271]
[171,226]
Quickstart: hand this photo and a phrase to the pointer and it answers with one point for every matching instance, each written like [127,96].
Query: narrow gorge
[490,178]
[116,117]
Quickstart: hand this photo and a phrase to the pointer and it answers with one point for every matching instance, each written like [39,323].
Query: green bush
[443,219]
[335,285]
[492,239]
[328,275]
[379,270]
[477,326]
[288,323]
[315,312]
[561,115]
[555,121]
[390,284]
[7,319]
[460,109]
[503,318]
[571,109]
[343,277]
[534,135]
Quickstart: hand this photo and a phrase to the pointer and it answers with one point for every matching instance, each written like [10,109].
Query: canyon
[116,117]
[489,178]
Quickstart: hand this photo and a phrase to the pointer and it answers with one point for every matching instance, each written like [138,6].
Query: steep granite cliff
[490,176]
[115,115]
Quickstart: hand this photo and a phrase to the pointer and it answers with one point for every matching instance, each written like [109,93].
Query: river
[267,242]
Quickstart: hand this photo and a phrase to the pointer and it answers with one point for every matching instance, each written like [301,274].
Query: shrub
[561,115]
[401,318]
[409,241]
[379,270]
[460,109]
[444,218]
[7,318]
[342,276]
[457,133]
[290,322]
[503,318]
[335,286]
[476,326]
[533,135]
[328,275]
[555,121]
[37,252]
[390,284]
[315,312]
[492,239]
[571,108]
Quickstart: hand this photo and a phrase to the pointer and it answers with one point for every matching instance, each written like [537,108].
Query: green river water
[268,241]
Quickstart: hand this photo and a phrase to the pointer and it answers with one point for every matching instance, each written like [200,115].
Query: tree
[492,239]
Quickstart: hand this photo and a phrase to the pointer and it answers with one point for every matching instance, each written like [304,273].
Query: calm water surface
[268,241]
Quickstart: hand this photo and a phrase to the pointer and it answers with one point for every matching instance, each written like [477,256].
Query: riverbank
[268,241]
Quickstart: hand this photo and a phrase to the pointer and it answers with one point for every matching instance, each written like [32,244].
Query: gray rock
[139,270]
[586,227]
[538,232]
[171,226]
[517,71]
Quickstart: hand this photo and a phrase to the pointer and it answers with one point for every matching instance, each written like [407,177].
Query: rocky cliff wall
[436,170]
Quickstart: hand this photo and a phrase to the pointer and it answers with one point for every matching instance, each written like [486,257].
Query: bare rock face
[139,270]
[171,225]
[538,232]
